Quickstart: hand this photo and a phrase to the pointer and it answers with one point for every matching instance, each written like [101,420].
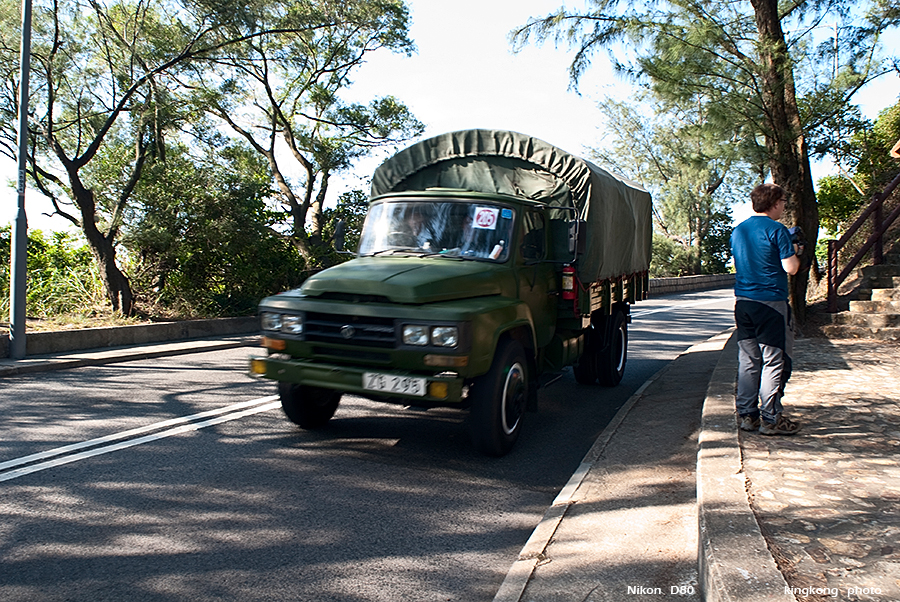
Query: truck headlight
[445,336]
[415,334]
[270,320]
[292,324]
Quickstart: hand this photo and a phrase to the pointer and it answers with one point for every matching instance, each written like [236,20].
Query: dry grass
[74,322]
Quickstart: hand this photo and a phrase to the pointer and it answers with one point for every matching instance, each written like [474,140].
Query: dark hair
[765,196]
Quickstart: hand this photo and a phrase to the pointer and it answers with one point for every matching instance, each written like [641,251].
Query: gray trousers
[765,345]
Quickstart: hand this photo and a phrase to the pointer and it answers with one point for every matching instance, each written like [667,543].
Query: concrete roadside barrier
[61,341]
[661,286]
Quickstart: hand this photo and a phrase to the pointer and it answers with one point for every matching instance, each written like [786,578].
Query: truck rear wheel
[611,361]
[586,369]
[604,359]
[308,407]
[498,401]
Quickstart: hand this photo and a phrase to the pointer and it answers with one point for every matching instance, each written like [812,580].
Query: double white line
[19,467]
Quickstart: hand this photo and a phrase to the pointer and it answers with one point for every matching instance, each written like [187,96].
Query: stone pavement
[828,499]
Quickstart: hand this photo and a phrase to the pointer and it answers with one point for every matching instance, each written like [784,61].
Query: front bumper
[441,389]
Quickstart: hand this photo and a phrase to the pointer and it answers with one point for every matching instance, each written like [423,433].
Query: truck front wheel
[498,401]
[308,407]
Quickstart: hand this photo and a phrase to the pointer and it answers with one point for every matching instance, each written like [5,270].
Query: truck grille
[350,330]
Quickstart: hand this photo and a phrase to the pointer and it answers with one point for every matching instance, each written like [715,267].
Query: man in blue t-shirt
[763,257]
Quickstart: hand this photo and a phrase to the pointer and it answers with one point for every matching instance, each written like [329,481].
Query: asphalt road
[179,479]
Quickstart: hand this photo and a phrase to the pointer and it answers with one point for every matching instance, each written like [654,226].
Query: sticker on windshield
[486,218]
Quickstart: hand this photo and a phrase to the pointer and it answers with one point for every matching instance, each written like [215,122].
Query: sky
[464,75]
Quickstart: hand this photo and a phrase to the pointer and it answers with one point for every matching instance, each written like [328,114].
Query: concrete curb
[532,553]
[735,562]
[46,343]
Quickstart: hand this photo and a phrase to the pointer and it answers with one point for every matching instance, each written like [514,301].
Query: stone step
[841,331]
[885,294]
[875,307]
[850,318]
[880,282]
[879,271]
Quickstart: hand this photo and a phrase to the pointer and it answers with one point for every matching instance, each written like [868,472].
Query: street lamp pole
[19,251]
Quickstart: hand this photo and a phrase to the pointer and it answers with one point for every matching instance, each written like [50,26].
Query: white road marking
[194,422]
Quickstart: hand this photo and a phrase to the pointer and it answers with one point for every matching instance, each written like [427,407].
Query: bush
[62,277]
[201,242]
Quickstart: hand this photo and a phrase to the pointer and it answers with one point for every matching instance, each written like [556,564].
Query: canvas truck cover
[617,212]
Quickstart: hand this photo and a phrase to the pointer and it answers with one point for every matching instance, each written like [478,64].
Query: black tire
[498,401]
[586,369]
[308,407]
[611,360]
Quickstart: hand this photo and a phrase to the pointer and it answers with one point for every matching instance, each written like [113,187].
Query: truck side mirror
[340,229]
[576,242]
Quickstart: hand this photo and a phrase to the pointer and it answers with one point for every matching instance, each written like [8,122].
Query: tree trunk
[118,288]
[785,140]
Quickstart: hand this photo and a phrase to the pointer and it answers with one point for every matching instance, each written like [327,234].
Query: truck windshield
[466,229]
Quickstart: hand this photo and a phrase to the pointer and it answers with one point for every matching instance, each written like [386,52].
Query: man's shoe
[782,426]
[749,423]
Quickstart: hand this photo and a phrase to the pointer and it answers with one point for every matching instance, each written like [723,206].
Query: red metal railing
[875,241]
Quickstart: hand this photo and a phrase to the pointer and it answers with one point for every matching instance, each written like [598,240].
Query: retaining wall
[60,341]
[43,343]
[661,286]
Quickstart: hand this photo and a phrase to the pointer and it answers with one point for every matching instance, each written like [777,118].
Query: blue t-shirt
[758,244]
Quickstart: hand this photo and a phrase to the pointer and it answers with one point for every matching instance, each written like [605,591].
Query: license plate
[391,383]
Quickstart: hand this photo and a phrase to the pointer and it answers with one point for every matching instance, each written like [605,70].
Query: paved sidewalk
[828,499]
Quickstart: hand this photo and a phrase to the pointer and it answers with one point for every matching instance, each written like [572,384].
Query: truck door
[537,277]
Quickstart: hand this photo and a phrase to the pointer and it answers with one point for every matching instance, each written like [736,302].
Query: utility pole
[19,251]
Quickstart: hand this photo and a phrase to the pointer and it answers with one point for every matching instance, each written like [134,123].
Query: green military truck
[488,261]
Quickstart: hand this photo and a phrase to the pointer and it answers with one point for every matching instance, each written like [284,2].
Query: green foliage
[112,83]
[761,74]
[693,177]
[352,207]
[715,252]
[288,90]
[200,237]
[685,49]
[62,277]
[864,151]
[838,201]
[669,258]
[861,148]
